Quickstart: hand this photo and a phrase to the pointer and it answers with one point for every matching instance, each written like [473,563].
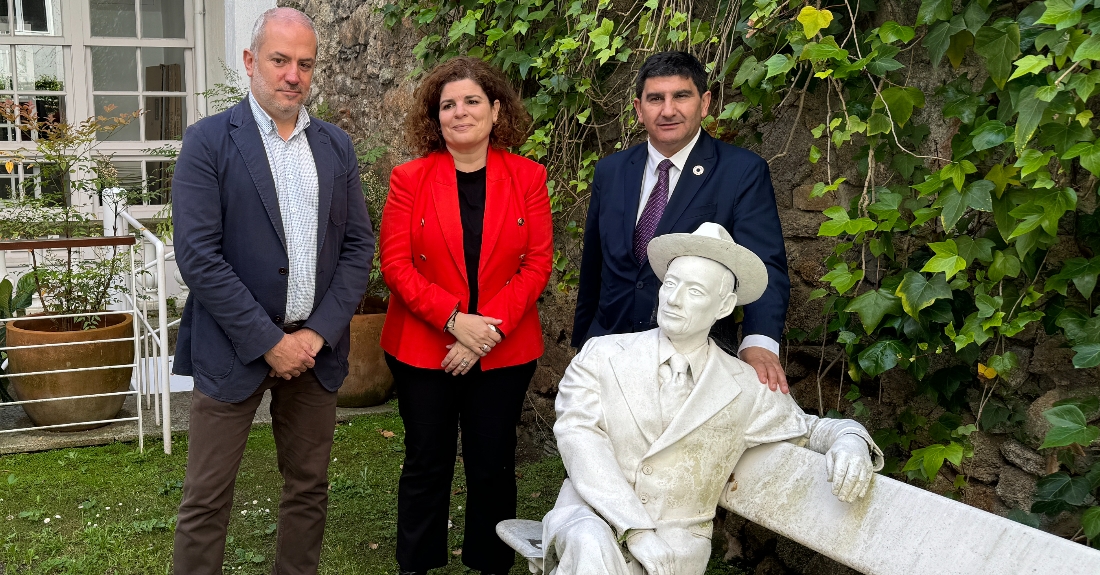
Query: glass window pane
[162,19]
[7,186]
[6,80]
[114,68]
[121,105]
[129,179]
[114,18]
[38,17]
[5,23]
[47,109]
[164,118]
[158,176]
[50,178]
[39,68]
[163,69]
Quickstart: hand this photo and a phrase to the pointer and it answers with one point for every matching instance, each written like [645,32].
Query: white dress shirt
[649,180]
[295,175]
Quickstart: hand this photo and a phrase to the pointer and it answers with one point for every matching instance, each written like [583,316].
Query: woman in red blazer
[466,250]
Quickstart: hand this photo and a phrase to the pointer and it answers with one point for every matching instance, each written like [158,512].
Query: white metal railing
[144,292]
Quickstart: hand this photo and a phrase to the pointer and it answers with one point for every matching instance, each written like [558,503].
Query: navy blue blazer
[619,295]
[231,252]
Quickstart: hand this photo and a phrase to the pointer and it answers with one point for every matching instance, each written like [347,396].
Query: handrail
[62,243]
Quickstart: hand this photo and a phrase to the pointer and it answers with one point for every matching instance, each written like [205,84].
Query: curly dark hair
[422,131]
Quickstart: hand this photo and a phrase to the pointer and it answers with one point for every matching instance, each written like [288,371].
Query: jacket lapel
[714,389]
[445,194]
[246,136]
[326,171]
[497,195]
[689,183]
[638,382]
[632,192]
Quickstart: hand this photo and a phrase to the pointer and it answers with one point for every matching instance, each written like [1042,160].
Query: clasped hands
[476,335]
[294,354]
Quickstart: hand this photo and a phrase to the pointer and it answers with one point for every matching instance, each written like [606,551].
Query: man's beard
[268,92]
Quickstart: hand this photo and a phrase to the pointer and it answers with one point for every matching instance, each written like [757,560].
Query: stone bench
[897,529]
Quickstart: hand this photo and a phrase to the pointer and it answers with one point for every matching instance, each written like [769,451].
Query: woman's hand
[474,332]
[459,360]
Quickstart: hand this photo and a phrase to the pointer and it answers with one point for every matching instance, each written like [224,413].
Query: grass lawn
[111,510]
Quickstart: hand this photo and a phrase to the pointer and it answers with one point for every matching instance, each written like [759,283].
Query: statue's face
[689,301]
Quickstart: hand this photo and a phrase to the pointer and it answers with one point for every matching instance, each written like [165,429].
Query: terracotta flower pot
[42,330]
[369,381]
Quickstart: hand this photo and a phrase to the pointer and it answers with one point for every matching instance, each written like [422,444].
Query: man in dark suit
[679,179]
[273,238]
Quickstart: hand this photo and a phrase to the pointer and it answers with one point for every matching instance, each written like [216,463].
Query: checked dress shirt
[295,175]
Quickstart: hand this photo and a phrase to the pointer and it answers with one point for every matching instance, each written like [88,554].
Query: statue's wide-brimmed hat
[713,242]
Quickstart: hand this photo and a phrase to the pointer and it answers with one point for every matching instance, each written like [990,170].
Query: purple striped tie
[651,215]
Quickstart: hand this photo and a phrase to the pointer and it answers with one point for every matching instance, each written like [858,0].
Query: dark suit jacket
[619,295]
[231,252]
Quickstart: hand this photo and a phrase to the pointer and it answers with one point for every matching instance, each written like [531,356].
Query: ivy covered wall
[935,168]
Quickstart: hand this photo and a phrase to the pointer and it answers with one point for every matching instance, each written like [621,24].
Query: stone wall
[364,82]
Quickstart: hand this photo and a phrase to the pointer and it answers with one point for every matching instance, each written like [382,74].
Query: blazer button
[641,285]
[423,258]
[521,256]
[647,469]
[279,319]
[282,271]
[421,222]
[644,498]
[520,221]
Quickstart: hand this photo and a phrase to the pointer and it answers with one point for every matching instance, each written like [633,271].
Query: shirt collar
[267,124]
[697,358]
[678,159]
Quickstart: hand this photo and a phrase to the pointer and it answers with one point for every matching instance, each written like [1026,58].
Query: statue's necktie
[676,389]
[651,215]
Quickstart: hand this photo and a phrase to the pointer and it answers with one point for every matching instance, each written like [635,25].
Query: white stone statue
[650,425]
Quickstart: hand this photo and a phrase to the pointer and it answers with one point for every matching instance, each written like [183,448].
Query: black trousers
[434,405]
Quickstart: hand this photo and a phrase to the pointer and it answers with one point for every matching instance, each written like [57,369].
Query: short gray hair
[285,14]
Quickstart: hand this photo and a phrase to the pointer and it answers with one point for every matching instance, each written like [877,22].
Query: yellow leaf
[813,20]
[986,372]
[9,166]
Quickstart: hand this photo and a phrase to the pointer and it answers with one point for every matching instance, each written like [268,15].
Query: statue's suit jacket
[230,248]
[733,187]
[623,468]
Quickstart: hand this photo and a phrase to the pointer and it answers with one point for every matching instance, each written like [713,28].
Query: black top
[471,206]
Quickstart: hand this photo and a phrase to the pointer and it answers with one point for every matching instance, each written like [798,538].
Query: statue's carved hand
[848,465]
[652,552]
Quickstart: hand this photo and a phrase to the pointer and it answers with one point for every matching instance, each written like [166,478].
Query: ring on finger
[465,362]
[485,347]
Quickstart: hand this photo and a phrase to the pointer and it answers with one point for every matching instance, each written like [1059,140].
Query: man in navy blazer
[273,239]
[679,179]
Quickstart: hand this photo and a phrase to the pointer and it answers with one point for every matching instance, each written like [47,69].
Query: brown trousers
[303,416]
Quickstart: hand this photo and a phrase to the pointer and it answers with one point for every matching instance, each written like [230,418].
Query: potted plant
[73,288]
[369,381]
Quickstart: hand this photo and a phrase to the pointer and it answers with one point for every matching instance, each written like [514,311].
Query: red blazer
[424,266]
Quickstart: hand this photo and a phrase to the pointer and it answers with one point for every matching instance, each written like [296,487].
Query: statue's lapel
[636,373]
[714,389]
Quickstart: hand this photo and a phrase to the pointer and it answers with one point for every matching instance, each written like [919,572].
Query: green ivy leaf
[932,11]
[1088,50]
[878,124]
[938,39]
[872,306]
[1089,154]
[779,64]
[1004,265]
[1059,492]
[1088,355]
[900,101]
[999,48]
[955,204]
[1004,364]
[971,249]
[1082,272]
[1030,114]
[1068,426]
[917,293]
[930,459]
[990,134]
[882,66]
[1061,13]
[891,32]
[1031,65]
[813,20]
[815,154]
[1063,136]
[842,278]
[1090,522]
[882,356]
[823,50]
[946,260]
